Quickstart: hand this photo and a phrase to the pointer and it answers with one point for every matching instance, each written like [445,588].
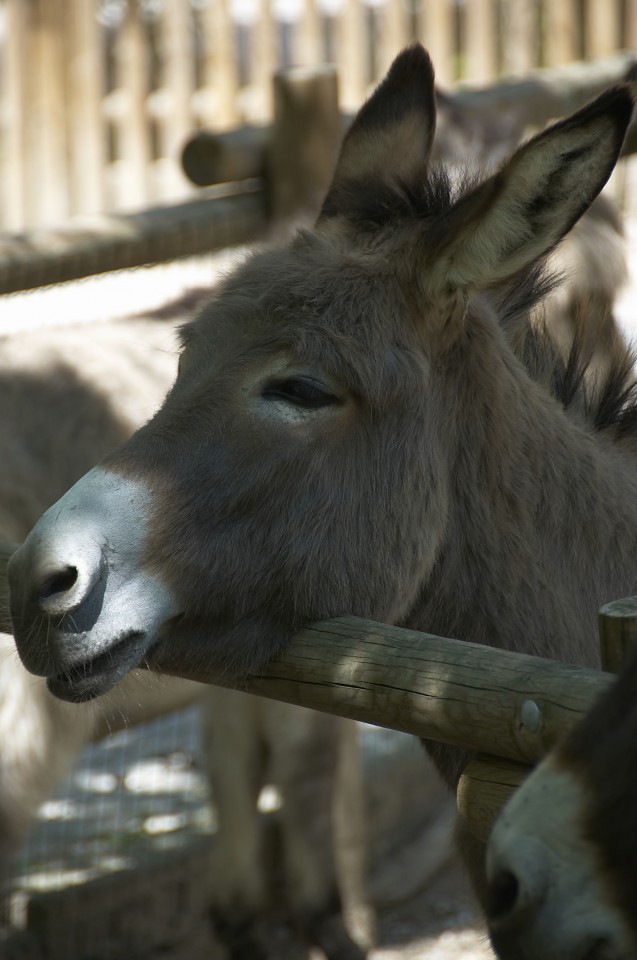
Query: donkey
[351,431]
[562,857]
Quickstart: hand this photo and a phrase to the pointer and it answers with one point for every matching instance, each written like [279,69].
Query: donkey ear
[391,137]
[523,211]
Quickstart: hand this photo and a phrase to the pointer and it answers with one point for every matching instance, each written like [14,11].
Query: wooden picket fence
[97,96]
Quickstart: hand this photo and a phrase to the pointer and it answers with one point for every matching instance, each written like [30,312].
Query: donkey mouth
[91,678]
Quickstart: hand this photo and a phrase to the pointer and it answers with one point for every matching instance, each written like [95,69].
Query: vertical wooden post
[351,41]
[305,138]
[518,27]
[265,59]
[309,37]
[480,33]
[134,133]
[47,112]
[178,83]
[436,34]
[86,123]
[221,75]
[559,34]
[602,28]
[618,632]
[15,79]
[629,40]
[394,32]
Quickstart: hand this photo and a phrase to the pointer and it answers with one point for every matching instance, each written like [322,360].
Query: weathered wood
[239,154]
[306,136]
[618,632]
[101,243]
[216,158]
[509,706]
[485,786]
[489,700]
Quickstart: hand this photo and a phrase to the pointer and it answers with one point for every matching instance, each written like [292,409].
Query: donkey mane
[371,202]
[606,402]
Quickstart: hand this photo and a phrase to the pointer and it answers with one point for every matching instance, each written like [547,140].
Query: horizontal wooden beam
[493,701]
[510,706]
[489,700]
[103,242]
[209,158]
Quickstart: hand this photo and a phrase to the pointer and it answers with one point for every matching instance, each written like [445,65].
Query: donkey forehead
[310,303]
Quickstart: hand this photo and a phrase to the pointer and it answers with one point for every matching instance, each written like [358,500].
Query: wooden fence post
[86,124]
[618,632]
[480,49]
[435,32]
[15,102]
[559,33]
[306,134]
[485,786]
[132,122]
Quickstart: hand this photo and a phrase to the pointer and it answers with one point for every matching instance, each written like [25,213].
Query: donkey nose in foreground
[508,903]
[516,890]
[60,585]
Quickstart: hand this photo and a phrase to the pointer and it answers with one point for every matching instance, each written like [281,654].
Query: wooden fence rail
[103,242]
[492,701]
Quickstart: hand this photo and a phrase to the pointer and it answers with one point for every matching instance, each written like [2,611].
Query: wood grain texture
[436,688]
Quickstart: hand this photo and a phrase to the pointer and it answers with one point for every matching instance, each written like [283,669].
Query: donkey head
[302,465]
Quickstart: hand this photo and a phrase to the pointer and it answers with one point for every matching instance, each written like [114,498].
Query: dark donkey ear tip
[411,71]
[617,102]
[408,84]
[412,60]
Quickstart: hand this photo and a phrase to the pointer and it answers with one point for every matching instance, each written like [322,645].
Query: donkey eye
[300,391]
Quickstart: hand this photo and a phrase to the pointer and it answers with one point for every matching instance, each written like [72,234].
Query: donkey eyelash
[302,392]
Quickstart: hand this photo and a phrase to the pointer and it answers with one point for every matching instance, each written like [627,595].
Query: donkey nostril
[502,897]
[59,582]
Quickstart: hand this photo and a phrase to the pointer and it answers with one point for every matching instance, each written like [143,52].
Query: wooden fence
[267,173]
[97,96]
[510,707]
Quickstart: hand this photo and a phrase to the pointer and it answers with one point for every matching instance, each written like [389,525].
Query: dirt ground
[441,923]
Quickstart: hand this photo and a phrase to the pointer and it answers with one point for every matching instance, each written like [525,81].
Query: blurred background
[97,96]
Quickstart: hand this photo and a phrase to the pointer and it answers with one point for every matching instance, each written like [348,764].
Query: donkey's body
[352,431]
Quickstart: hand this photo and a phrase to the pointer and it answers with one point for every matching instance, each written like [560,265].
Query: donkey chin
[90,620]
